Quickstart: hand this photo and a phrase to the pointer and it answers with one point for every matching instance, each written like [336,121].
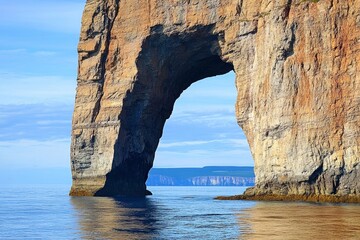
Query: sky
[38,66]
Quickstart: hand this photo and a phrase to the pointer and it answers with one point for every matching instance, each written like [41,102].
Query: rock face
[297,65]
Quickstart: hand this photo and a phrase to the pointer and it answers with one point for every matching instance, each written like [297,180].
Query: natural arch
[167,65]
[296,94]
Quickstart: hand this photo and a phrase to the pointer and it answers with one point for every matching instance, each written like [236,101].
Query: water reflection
[274,220]
[120,218]
[192,213]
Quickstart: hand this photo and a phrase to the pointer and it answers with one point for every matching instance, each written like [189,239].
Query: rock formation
[297,65]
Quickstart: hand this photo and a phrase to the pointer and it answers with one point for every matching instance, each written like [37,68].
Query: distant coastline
[206,176]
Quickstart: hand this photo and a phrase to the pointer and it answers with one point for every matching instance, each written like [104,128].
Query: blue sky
[38,66]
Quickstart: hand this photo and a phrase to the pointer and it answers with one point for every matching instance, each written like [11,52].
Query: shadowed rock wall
[297,66]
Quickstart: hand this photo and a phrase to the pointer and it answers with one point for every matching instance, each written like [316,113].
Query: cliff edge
[297,66]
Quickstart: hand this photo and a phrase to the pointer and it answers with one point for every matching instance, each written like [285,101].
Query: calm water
[46,212]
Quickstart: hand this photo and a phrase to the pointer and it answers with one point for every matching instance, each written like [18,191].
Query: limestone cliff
[160,180]
[297,66]
[206,176]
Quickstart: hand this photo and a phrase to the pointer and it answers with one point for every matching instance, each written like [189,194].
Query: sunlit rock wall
[297,76]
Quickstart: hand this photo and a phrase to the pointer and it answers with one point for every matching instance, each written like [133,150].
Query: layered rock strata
[297,67]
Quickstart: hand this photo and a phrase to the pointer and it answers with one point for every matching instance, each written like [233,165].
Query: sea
[47,212]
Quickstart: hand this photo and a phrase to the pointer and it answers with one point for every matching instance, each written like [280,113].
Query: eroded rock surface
[297,65]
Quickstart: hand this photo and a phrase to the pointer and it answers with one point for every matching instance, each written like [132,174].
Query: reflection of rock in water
[110,218]
[300,221]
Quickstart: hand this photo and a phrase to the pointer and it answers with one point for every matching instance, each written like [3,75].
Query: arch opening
[167,65]
[202,144]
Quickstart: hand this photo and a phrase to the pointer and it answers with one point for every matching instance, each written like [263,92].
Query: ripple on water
[281,220]
[46,212]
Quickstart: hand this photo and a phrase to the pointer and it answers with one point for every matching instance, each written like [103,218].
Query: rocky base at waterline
[107,188]
[295,198]
[255,195]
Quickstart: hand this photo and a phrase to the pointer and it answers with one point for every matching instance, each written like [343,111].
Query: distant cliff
[207,176]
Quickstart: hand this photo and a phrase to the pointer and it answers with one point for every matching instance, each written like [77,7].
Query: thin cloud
[45,53]
[219,119]
[232,142]
[200,158]
[42,53]
[35,121]
[12,51]
[184,108]
[17,89]
[54,16]
[184,143]
[52,122]
[54,153]
[210,92]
